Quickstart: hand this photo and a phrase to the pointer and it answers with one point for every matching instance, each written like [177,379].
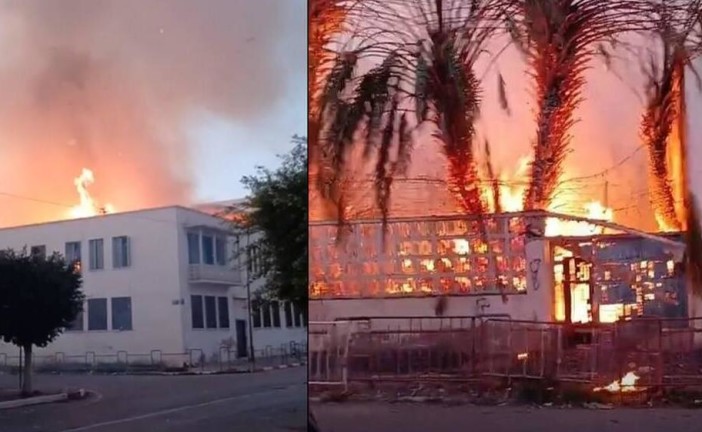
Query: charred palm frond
[560,38]
[454,92]
[663,125]
[662,111]
[426,69]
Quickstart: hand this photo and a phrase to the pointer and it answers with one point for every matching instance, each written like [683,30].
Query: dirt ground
[391,417]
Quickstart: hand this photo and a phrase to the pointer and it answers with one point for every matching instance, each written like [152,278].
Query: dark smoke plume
[112,84]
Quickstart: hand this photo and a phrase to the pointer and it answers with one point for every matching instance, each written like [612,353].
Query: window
[120,252]
[122,313]
[96,257]
[266,309]
[221,249]
[252,261]
[193,248]
[287,308]
[255,314]
[298,317]
[196,312]
[97,314]
[275,309]
[223,312]
[73,258]
[77,323]
[38,251]
[208,249]
[210,312]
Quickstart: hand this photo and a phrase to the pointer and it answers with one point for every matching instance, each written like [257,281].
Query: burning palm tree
[559,39]
[424,75]
[663,124]
[326,21]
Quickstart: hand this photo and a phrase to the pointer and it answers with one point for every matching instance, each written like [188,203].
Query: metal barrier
[410,347]
[156,360]
[328,350]
[661,352]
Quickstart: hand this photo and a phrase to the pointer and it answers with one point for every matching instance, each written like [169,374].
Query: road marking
[174,410]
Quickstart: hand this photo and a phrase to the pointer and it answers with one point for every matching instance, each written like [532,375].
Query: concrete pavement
[384,417]
[270,401]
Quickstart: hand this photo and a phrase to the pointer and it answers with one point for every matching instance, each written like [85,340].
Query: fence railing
[157,360]
[328,345]
[661,352]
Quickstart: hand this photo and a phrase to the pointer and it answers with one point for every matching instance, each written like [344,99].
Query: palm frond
[558,39]
[663,126]
[502,94]
[456,97]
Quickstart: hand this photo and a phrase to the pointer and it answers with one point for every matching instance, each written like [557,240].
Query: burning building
[517,269]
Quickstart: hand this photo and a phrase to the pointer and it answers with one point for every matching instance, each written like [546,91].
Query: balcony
[212,274]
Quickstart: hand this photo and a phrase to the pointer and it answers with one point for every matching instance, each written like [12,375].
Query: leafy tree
[39,297]
[278,210]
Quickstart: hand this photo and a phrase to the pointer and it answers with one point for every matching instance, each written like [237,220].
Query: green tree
[278,210]
[39,297]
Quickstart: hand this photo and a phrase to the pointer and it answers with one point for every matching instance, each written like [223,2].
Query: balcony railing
[204,273]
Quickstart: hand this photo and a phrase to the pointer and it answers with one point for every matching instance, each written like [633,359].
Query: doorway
[242,343]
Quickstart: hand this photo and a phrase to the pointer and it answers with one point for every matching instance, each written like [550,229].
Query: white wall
[157,282]
[152,279]
[207,340]
[271,337]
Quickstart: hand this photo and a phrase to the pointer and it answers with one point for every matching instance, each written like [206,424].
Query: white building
[160,284]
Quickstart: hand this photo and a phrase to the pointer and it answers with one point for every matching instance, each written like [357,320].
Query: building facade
[165,284]
[510,271]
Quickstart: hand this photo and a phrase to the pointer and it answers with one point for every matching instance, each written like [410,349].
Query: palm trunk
[662,135]
[27,372]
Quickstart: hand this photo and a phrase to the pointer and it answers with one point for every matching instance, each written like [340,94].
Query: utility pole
[606,194]
[252,351]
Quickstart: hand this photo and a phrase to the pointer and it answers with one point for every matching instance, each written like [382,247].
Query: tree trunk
[27,378]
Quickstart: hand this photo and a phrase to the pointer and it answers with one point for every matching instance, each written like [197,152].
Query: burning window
[420,257]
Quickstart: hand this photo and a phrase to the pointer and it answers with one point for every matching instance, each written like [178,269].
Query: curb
[34,401]
[223,372]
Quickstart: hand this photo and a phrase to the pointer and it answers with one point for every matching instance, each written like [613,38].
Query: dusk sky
[228,149]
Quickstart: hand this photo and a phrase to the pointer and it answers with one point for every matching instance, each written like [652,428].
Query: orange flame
[511,193]
[626,384]
[88,206]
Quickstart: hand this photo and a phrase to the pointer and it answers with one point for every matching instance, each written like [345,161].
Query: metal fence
[661,352]
[328,357]
[157,360]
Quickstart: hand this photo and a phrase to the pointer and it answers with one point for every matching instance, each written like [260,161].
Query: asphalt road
[379,417]
[268,401]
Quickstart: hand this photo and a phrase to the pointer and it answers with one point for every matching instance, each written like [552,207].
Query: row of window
[209,312]
[121,253]
[266,314]
[121,314]
[206,249]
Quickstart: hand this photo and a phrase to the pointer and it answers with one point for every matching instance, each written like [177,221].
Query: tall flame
[512,190]
[88,206]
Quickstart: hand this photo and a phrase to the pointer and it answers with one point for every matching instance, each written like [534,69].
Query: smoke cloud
[110,85]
